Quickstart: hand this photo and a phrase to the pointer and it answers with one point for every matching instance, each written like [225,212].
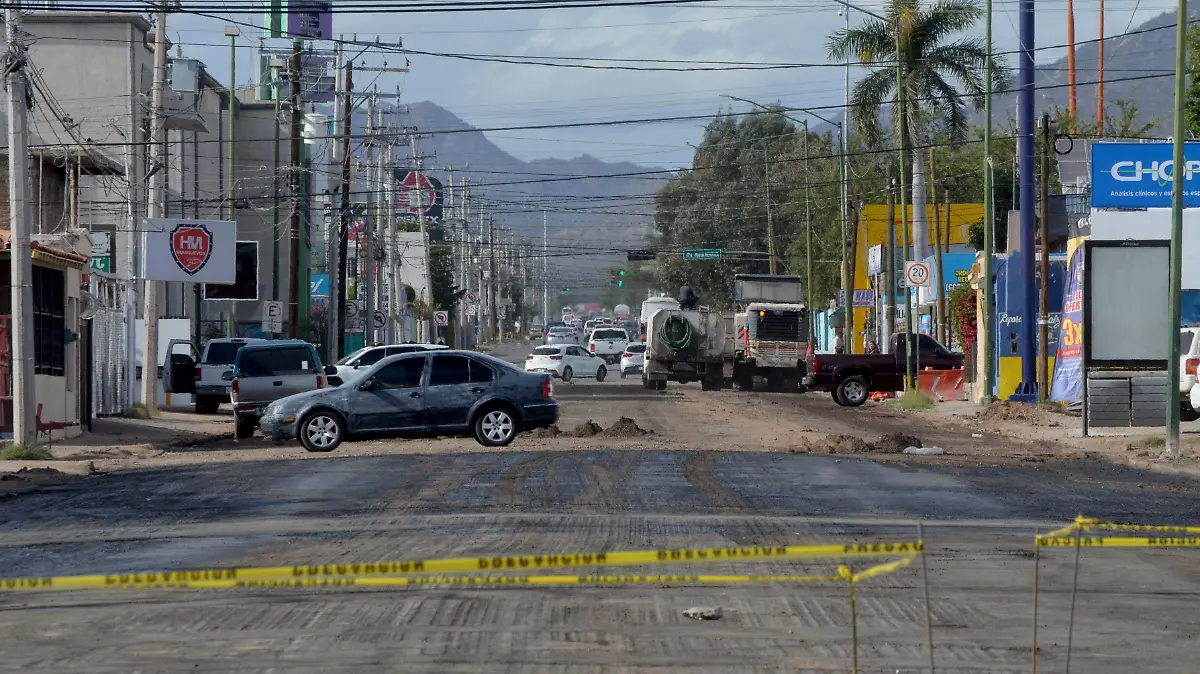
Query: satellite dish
[91,306]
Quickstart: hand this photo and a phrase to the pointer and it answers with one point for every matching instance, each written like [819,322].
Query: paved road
[1136,610]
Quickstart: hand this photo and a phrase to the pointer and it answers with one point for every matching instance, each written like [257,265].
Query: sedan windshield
[352,356]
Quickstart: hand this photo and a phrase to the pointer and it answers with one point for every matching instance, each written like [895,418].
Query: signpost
[354,319]
[917,274]
[272,318]
[379,320]
[702,254]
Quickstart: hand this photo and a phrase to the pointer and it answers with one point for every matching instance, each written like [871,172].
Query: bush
[16,452]
[914,400]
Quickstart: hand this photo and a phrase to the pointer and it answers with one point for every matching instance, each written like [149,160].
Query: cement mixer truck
[686,345]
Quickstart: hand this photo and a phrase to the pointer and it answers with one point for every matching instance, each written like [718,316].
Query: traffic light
[566,289]
[621,283]
[622,272]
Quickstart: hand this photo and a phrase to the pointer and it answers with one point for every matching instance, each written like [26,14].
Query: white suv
[608,343]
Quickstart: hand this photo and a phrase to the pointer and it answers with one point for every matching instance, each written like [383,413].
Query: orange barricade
[943,385]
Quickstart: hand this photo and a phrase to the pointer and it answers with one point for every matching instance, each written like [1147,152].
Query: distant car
[264,373]
[561,336]
[415,394]
[608,343]
[633,359]
[369,355]
[566,362]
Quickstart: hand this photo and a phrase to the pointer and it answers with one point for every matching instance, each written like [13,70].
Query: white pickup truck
[1189,383]
[201,377]
[608,343]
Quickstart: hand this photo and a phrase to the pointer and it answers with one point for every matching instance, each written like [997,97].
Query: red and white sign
[415,193]
[191,246]
[194,251]
[917,274]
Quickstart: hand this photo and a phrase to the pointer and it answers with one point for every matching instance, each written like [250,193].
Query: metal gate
[108,344]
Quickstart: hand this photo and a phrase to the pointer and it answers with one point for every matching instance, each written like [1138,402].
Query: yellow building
[873,231]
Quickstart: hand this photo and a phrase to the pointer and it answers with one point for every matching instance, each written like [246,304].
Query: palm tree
[933,71]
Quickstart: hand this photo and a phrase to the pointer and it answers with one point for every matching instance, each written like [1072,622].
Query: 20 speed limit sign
[916,274]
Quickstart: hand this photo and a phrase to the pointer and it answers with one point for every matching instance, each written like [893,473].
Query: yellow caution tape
[223,576]
[1154,528]
[1120,542]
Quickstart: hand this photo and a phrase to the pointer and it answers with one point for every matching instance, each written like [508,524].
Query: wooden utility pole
[346,212]
[294,295]
[156,206]
[21,218]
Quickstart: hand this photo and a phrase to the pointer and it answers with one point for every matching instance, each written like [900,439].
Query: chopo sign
[191,246]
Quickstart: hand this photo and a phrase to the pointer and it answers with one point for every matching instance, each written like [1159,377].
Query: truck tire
[1186,413]
[244,428]
[853,391]
[207,404]
[660,385]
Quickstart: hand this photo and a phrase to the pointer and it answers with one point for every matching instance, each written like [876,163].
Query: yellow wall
[873,231]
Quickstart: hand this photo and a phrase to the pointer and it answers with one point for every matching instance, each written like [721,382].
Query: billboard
[193,251]
[1141,175]
[245,285]
[310,19]
[418,192]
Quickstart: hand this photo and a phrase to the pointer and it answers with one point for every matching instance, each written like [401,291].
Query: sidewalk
[116,437]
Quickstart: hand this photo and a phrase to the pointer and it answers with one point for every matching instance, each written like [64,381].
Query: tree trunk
[920,223]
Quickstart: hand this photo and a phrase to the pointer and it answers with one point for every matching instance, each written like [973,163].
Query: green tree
[1191,107]
[933,68]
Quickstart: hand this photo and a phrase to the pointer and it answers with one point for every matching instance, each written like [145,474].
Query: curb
[1162,467]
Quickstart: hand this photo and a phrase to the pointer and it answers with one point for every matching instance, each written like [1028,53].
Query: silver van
[264,373]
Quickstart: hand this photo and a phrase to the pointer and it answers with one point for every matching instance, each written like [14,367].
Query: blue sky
[496,94]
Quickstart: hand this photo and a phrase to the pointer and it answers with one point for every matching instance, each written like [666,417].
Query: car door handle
[276,383]
[414,394]
[478,389]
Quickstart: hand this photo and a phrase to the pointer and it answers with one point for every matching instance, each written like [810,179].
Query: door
[179,372]
[391,399]
[456,383]
[581,362]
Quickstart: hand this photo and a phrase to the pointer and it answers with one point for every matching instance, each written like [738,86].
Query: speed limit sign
[917,274]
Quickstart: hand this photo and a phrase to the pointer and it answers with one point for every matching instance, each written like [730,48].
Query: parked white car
[1189,361]
[608,343]
[565,362]
[369,355]
[633,360]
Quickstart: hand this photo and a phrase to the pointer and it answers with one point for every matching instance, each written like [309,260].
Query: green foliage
[914,400]
[15,452]
[1191,106]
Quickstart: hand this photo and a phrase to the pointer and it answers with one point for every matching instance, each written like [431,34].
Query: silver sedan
[561,336]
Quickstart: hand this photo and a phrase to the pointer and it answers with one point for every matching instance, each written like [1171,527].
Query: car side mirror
[334,380]
[227,375]
[329,369]
[367,385]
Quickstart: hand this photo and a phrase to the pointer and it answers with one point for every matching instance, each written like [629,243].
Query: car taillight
[197,373]
[815,366]
[233,386]
[1190,366]
[529,357]
[627,355]
[555,357]
[320,381]
[547,388]
[592,348]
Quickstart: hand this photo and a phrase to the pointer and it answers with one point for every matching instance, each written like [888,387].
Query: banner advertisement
[1140,175]
[1067,383]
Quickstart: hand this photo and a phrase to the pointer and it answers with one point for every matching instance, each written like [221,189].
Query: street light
[846,282]
[910,350]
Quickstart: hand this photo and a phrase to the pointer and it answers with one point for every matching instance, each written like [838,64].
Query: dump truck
[771,333]
[686,345]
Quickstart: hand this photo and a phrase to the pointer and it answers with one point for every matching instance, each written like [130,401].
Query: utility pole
[294,295]
[346,213]
[545,275]
[1028,197]
[335,230]
[1044,296]
[21,216]
[770,222]
[943,305]
[808,243]
[910,349]
[231,184]
[493,302]
[889,304]
[939,303]
[427,290]
[369,236]
[1176,265]
[156,206]
[987,349]
[275,225]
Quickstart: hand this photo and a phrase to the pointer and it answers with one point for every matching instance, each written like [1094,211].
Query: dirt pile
[895,443]
[891,443]
[1005,410]
[625,428]
[551,431]
[588,429]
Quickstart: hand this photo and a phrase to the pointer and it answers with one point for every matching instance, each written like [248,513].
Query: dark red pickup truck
[852,377]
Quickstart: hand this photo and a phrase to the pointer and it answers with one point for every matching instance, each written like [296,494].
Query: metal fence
[108,345]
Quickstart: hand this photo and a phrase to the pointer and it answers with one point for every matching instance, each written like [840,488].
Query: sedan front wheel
[321,431]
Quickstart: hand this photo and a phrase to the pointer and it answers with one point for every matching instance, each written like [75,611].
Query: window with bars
[49,329]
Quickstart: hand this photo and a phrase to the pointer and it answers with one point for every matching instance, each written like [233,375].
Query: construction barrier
[943,385]
[394,571]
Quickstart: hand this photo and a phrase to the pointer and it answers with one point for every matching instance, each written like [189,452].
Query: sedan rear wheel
[496,427]
[566,375]
[321,431]
[601,372]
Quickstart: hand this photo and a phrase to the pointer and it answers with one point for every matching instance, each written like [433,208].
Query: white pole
[154,207]
[21,216]
[545,275]
[132,173]
[425,290]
